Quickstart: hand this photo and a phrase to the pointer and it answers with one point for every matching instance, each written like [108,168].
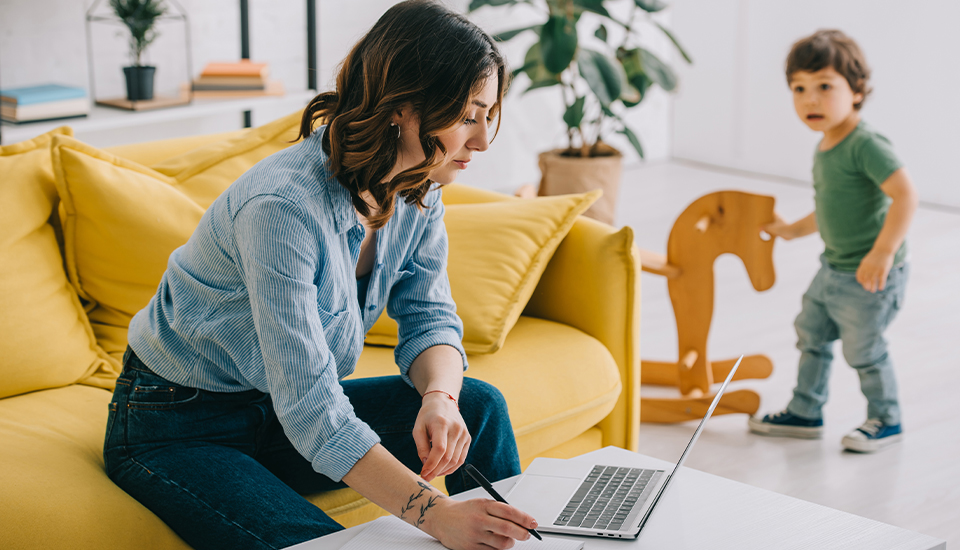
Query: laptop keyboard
[607,497]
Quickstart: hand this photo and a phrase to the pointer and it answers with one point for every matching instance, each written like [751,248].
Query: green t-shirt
[851,207]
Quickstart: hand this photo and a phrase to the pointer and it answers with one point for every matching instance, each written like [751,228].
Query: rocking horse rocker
[715,224]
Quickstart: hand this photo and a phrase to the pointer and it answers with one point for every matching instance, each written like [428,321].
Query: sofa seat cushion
[558,381]
[55,493]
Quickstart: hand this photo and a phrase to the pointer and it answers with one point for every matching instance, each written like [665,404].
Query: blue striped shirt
[264,296]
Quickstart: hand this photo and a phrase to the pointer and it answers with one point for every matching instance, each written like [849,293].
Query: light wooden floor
[914,485]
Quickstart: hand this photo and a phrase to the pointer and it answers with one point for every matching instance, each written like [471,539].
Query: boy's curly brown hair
[831,48]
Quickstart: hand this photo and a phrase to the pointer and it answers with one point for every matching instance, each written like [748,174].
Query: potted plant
[139,16]
[598,86]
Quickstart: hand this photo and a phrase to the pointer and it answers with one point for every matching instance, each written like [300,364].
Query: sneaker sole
[757,426]
[869,446]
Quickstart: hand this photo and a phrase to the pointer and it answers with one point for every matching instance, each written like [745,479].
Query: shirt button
[371,308]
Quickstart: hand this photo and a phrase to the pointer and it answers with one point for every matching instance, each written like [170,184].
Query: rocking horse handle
[702,224]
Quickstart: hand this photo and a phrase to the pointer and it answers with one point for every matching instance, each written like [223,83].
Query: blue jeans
[218,469]
[837,307]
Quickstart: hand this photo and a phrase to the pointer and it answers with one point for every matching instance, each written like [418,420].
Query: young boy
[864,203]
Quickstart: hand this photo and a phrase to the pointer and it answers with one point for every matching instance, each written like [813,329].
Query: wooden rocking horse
[715,224]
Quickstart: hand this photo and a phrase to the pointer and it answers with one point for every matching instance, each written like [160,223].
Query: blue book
[46,93]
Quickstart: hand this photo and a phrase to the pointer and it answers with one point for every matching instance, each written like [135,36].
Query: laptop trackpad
[543,497]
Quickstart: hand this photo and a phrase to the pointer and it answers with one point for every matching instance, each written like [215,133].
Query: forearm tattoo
[411,503]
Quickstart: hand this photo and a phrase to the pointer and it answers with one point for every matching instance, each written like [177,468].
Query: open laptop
[580,498]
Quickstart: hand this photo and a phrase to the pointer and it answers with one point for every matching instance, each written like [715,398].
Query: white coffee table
[706,511]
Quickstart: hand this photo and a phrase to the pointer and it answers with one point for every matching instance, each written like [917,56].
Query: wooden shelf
[104,118]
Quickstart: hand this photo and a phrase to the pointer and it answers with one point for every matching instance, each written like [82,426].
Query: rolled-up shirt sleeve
[420,301]
[279,258]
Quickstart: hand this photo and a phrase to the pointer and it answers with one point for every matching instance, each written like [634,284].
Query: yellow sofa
[569,366]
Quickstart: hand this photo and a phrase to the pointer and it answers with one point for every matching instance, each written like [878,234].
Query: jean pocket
[161,396]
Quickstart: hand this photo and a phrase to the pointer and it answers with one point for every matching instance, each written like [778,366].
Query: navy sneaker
[784,424]
[872,436]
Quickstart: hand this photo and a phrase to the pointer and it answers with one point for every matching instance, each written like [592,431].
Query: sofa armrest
[593,284]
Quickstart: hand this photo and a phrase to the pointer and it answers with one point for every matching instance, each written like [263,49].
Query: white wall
[44,41]
[735,109]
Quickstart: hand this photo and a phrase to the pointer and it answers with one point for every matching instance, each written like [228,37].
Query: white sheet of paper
[393,533]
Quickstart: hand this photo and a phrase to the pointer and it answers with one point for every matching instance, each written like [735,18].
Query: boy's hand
[779,228]
[873,270]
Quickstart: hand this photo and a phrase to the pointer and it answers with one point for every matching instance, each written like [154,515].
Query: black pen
[478,477]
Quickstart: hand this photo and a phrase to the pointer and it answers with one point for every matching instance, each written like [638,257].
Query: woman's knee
[483,403]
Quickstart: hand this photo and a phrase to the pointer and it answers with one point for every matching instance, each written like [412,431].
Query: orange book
[242,68]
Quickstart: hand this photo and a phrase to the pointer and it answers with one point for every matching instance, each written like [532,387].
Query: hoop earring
[397,126]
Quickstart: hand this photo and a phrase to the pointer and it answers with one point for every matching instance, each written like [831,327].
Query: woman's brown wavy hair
[420,54]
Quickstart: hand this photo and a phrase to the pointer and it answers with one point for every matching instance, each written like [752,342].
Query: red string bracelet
[452,398]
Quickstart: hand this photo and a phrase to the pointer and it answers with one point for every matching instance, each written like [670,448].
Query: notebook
[395,534]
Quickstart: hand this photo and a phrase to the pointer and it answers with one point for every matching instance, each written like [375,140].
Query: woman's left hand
[441,436]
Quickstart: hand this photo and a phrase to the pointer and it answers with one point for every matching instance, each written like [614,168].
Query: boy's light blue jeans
[837,307]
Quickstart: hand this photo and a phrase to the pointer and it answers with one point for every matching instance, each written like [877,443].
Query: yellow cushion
[46,341]
[122,220]
[153,152]
[558,381]
[206,171]
[498,251]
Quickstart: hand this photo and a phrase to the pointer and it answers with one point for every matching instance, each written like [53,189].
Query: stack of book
[45,102]
[241,79]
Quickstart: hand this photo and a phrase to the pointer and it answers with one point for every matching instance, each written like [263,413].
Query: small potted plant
[598,86]
[139,16]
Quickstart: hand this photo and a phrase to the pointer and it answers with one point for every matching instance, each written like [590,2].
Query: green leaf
[657,70]
[522,69]
[558,41]
[650,6]
[604,77]
[601,32]
[630,95]
[574,114]
[673,39]
[630,60]
[632,63]
[632,138]
[642,83]
[507,35]
[477,4]
[533,65]
[595,6]
[541,84]
[139,16]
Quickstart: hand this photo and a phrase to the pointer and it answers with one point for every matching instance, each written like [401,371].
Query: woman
[231,403]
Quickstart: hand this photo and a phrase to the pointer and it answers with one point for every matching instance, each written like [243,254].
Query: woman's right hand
[477,524]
